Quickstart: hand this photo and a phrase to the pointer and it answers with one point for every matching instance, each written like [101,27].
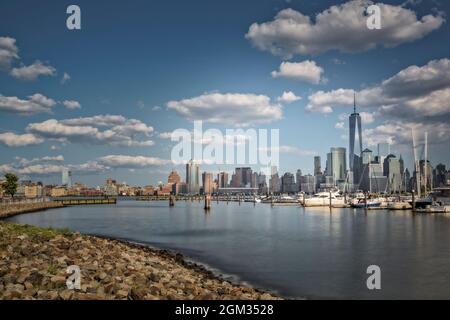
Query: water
[297,252]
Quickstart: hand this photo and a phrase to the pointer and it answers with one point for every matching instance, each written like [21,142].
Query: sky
[102,101]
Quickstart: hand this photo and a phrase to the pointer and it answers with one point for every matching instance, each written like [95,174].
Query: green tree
[10,186]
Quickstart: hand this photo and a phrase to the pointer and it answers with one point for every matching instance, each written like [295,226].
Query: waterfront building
[66,178]
[308,184]
[58,192]
[288,184]
[394,175]
[174,177]
[222,179]
[328,171]
[243,177]
[317,166]
[298,177]
[207,182]
[338,164]
[34,190]
[192,177]
[440,175]
[274,182]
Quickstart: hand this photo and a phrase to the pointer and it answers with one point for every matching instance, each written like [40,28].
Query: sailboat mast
[426,162]
[416,163]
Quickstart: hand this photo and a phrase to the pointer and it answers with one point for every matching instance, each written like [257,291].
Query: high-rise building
[207,180]
[66,178]
[355,123]
[367,156]
[328,171]
[308,184]
[222,179]
[288,184]
[317,166]
[174,177]
[440,175]
[243,177]
[394,176]
[338,163]
[298,178]
[274,181]
[192,177]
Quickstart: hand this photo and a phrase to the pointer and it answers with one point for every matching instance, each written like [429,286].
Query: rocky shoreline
[34,261]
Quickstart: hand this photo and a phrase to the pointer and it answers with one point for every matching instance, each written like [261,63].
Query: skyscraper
[354,120]
[207,182]
[317,166]
[338,163]
[66,179]
[222,179]
[192,177]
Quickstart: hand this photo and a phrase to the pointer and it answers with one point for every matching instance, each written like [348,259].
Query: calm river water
[297,252]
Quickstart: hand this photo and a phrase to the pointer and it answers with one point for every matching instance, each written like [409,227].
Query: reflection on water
[312,252]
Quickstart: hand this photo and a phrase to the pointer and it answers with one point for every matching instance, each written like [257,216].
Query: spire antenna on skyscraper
[354,101]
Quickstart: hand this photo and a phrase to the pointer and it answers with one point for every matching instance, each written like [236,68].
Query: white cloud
[288,97]
[99,120]
[165,135]
[340,125]
[46,166]
[341,27]
[420,93]
[367,117]
[32,72]
[399,132]
[35,103]
[24,161]
[120,132]
[11,139]
[126,161]
[66,77]
[71,104]
[233,109]
[306,70]
[8,52]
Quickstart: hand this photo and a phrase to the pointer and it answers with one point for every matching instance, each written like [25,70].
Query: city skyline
[108,111]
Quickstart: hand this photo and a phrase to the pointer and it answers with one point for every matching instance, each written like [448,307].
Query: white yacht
[322,199]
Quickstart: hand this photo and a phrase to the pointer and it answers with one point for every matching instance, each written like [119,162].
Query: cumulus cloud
[340,125]
[416,93]
[233,109]
[33,71]
[126,161]
[400,132]
[8,52]
[46,166]
[120,132]
[71,104]
[11,139]
[307,71]
[341,27]
[35,103]
[288,97]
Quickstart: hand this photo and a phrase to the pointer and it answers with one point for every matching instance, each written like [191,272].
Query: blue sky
[132,58]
